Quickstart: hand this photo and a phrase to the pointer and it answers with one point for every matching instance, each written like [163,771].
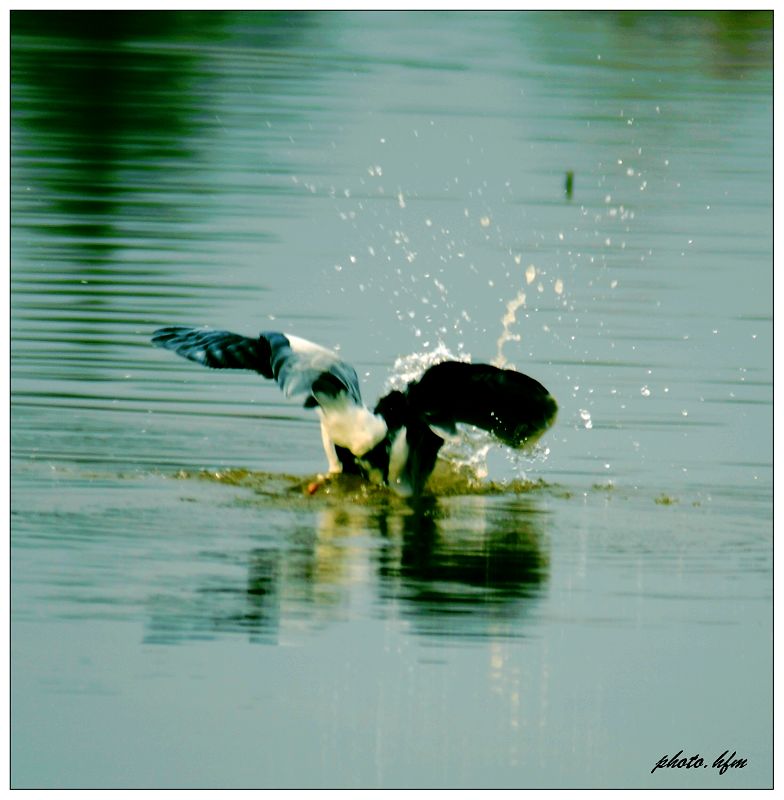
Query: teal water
[183,614]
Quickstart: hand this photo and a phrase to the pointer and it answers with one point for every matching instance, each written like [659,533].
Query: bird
[397,442]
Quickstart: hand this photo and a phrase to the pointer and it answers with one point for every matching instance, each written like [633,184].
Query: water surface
[394,185]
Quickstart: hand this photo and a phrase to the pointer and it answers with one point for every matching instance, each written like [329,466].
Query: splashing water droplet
[507,321]
[412,367]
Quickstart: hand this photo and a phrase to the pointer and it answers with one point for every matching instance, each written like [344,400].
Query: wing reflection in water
[221,605]
[461,567]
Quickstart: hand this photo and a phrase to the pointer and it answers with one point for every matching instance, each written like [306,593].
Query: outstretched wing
[216,349]
[513,407]
[297,365]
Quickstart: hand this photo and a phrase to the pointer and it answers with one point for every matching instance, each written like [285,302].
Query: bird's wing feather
[297,365]
[216,349]
[302,367]
[513,407]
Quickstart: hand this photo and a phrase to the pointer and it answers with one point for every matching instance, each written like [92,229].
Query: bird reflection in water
[461,567]
[467,571]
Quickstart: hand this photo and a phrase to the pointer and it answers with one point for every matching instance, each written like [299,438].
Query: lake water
[183,614]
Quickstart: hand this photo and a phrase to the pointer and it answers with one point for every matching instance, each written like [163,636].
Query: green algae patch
[445,482]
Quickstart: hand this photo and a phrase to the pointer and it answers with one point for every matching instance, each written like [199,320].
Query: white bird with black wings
[396,443]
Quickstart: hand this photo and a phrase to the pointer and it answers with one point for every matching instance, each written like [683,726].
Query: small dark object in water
[398,442]
[569,185]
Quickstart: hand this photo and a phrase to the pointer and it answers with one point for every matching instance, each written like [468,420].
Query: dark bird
[396,443]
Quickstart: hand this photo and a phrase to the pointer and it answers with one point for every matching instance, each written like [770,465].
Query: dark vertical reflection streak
[459,570]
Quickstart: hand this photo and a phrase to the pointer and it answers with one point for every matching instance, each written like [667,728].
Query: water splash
[522,460]
[509,319]
[467,453]
[412,367]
